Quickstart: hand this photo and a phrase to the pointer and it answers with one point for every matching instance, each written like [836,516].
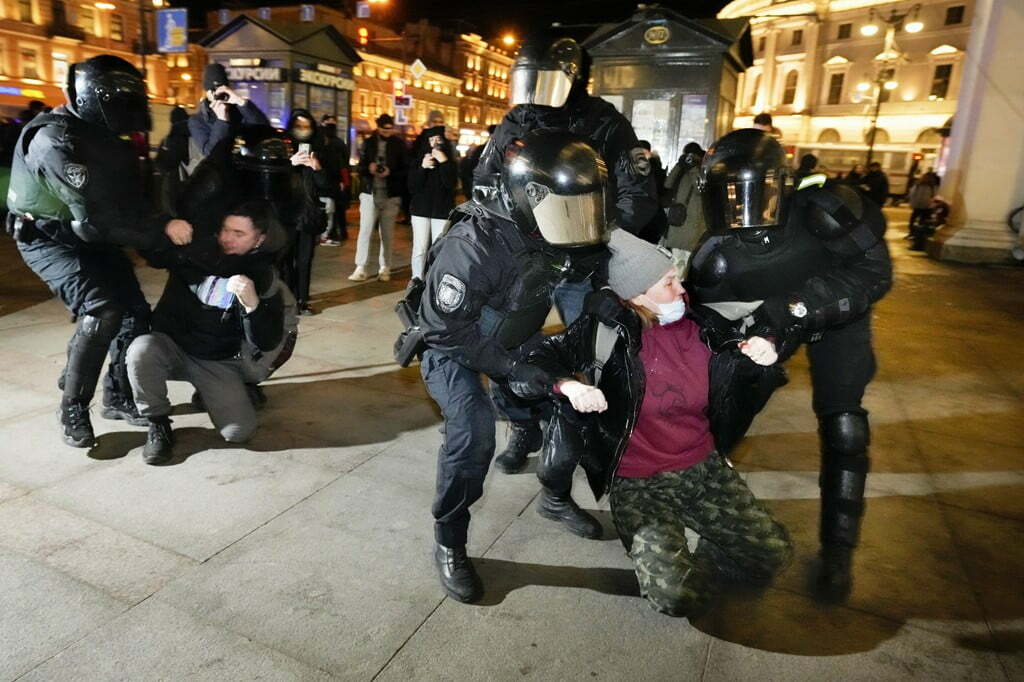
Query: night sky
[490,18]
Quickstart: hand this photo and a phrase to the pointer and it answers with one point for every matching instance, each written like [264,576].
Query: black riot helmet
[546,70]
[553,184]
[266,169]
[745,182]
[108,91]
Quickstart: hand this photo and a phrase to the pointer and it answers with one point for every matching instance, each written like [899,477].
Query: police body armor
[98,151]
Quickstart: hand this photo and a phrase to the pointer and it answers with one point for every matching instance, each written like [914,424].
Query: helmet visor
[122,101]
[573,220]
[738,204]
[549,88]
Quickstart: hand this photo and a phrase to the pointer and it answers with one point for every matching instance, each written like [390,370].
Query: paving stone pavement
[306,555]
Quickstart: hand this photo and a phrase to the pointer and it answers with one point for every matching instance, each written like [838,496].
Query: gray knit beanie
[635,265]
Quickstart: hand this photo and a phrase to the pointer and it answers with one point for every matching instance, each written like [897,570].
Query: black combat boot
[834,580]
[159,442]
[117,406]
[76,427]
[458,577]
[524,438]
[562,508]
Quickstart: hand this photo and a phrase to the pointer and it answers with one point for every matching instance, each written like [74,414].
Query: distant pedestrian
[336,165]
[222,113]
[172,160]
[383,166]
[855,176]
[469,163]
[763,121]
[875,184]
[432,178]
[920,197]
[808,164]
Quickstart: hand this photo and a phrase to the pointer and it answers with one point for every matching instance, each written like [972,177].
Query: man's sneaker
[120,407]
[76,428]
[359,275]
[159,442]
[384,275]
[522,440]
[458,577]
[563,509]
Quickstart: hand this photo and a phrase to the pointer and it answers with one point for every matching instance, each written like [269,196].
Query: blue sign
[172,30]
[362,9]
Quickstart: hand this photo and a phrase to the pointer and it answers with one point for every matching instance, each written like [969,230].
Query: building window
[940,81]
[798,37]
[183,61]
[835,88]
[753,91]
[87,20]
[25,10]
[884,77]
[760,44]
[116,27]
[844,31]
[29,63]
[789,90]
[954,15]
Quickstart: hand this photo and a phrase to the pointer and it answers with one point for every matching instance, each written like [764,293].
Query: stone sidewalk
[306,555]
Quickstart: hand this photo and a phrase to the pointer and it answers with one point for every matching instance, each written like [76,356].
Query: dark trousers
[842,363]
[299,263]
[86,279]
[468,444]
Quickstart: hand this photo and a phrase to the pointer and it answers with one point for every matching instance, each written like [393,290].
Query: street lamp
[509,39]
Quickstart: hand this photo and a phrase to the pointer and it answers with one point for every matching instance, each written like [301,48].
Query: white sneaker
[359,275]
[384,275]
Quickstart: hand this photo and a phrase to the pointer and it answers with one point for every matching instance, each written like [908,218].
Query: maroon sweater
[672,431]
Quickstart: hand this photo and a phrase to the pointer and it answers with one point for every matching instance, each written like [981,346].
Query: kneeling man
[218,312]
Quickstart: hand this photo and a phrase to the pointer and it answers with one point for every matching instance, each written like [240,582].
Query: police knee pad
[101,324]
[845,434]
[844,468]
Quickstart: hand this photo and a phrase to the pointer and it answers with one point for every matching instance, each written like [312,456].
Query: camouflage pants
[739,539]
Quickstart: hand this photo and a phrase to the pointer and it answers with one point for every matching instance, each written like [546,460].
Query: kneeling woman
[644,434]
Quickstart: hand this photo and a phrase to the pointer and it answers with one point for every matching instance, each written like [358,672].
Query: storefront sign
[328,80]
[255,73]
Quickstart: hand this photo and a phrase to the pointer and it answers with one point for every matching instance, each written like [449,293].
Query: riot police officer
[488,291]
[549,91]
[75,198]
[815,255]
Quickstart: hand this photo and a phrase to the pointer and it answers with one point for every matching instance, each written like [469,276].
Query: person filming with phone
[222,113]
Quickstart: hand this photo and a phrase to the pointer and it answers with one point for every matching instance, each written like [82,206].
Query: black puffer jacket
[208,332]
[432,189]
[739,390]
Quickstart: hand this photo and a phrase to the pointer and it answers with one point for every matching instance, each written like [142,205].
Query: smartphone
[213,291]
[304,147]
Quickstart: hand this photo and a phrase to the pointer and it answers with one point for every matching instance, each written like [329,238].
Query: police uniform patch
[450,293]
[76,174]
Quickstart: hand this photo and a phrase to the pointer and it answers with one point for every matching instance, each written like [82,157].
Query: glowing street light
[890,85]
[868,30]
[509,39]
[863,86]
[915,26]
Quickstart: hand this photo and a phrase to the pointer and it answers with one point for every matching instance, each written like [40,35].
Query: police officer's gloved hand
[529,381]
[776,313]
[606,306]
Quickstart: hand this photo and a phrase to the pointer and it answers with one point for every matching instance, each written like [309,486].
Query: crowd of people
[682,294]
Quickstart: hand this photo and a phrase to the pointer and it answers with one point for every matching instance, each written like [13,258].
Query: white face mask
[671,312]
